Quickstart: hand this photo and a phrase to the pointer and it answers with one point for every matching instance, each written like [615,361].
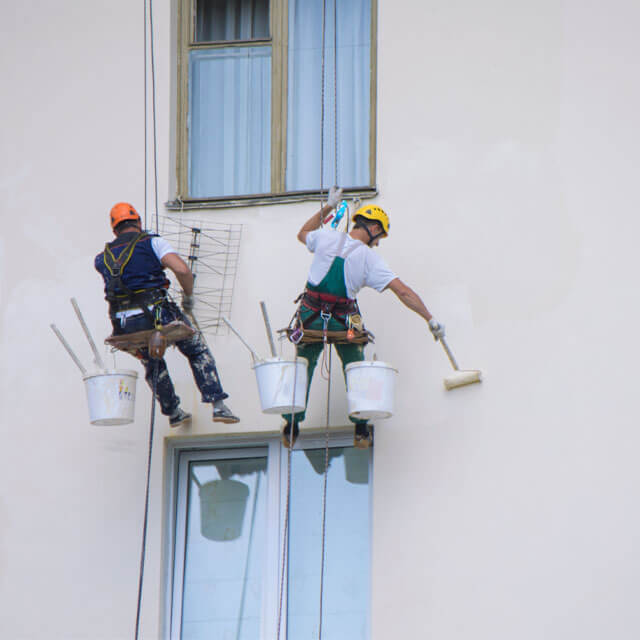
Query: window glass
[230,121]
[346,577]
[223,555]
[352,78]
[218,20]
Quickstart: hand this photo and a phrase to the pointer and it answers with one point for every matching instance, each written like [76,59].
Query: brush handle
[70,351]
[452,360]
[267,325]
[87,333]
[254,355]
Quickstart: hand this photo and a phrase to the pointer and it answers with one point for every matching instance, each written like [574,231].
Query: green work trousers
[311,351]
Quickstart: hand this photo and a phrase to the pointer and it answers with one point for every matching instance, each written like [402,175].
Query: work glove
[187,303]
[437,329]
[334,197]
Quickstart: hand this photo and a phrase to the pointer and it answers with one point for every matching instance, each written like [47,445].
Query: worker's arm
[315,221]
[409,298]
[181,270]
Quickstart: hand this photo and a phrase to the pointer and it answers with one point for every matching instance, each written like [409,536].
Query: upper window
[263,107]
[227,539]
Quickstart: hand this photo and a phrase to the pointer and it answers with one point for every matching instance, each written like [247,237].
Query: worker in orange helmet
[344,263]
[133,268]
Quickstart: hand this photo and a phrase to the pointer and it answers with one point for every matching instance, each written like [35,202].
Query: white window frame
[216,447]
[278,17]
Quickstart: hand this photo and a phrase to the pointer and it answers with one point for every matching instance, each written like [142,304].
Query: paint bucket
[222,506]
[275,378]
[370,389]
[111,395]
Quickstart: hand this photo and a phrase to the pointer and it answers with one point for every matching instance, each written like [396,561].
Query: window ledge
[263,199]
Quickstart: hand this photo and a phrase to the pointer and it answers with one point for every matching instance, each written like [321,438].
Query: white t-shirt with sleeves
[363,267]
[161,247]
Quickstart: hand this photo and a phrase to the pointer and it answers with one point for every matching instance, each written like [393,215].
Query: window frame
[247,445]
[279,43]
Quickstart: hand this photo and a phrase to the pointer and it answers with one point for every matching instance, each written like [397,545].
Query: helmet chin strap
[372,238]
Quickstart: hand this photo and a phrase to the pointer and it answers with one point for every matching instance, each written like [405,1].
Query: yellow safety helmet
[375,214]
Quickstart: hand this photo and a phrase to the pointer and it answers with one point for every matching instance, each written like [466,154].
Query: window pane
[346,578]
[305,90]
[222,593]
[230,121]
[231,20]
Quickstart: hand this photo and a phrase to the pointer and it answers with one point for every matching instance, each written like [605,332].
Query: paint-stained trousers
[194,349]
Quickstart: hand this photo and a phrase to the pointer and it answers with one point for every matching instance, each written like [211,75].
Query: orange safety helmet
[121,212]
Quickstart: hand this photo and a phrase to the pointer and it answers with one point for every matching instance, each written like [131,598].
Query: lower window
[227,538]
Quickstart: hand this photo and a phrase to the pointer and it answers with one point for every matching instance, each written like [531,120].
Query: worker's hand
[334,197]
[437,329]
[187,303]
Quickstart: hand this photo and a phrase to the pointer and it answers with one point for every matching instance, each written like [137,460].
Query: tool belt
[137,300]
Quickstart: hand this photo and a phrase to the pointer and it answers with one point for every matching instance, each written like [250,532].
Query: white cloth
[363,267]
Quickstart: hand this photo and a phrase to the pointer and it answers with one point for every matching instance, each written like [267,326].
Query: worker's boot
[222,413]
[286,435]
[179,418]
[363,436]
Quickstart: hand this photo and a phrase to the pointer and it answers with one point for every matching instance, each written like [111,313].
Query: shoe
[222,413]
[286,432]
[363,435]
[179,418]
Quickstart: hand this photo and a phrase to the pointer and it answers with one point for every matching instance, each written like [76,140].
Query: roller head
[462,378]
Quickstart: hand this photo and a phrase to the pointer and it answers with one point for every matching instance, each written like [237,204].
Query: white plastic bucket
[371,386]
[111,396]
[275,378]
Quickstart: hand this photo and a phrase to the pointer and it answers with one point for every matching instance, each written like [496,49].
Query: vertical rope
[324,498]
[285,534]
[335,91]
[324,12]
[146,170]
[146,498]
[153,108]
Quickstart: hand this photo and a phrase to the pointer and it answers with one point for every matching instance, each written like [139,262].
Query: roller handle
[65,344]
[254,355]
[87,333]
[267,324]
[452,360]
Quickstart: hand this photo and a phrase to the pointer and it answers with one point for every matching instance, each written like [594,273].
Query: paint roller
[460,377]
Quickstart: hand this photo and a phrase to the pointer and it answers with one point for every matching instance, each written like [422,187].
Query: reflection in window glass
[222,591]
[346,578]
[218,20]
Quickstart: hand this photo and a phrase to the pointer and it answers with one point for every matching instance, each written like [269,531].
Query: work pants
[194,348]
[348,353]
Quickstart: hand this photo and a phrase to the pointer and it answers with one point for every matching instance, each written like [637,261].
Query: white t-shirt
[363,267]
[161,247]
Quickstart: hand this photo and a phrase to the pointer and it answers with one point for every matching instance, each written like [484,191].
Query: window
[251,120]
[227,532]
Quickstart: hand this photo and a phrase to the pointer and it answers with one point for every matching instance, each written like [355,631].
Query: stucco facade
[507,154]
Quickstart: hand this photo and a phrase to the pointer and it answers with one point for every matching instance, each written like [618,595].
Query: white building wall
[507,159]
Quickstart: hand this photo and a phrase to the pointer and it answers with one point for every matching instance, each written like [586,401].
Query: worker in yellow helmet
[342,265]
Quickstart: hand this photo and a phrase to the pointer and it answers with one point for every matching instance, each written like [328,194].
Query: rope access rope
[156,363]
[324,497]
[156,366]
[285,535]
